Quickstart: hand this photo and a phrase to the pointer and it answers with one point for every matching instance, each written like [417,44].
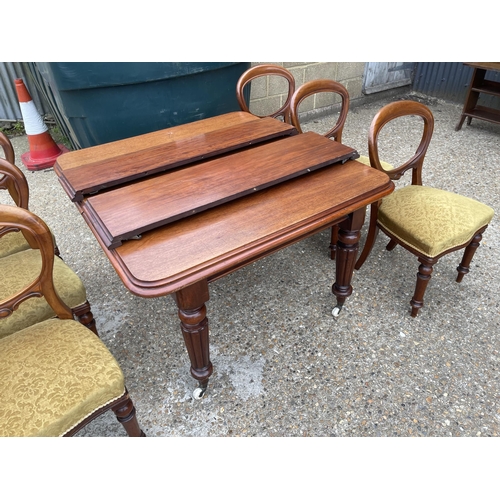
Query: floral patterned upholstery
[52,376]
[366,161]
[56,375]
[21,268]
[13,242]
[427,221]
[431,220]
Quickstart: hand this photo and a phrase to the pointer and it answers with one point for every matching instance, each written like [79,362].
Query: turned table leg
[346,253]
[194,325]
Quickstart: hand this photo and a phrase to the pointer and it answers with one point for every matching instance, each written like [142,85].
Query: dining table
[176,209]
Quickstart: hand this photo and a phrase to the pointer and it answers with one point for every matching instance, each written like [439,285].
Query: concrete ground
[283,366]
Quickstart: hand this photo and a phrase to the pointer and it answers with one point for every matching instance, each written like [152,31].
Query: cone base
[42,163]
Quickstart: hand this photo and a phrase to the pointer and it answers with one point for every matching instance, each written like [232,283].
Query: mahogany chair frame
[415,163]
[15,182]
[5,181]
[19,190]
[264,70]
[311,88]
[43,285]
[7,147]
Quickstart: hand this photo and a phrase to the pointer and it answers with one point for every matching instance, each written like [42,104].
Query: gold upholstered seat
[20,261]
[55,375]
[19,269]
[432,221]
[366,161]
[427,221]
[12,242]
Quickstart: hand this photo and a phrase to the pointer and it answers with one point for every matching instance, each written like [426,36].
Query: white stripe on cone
[33,123]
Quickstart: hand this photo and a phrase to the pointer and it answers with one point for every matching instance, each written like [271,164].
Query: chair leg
[85,317]
[126,415]
[391,245]
[471,248]
[333,241]
[370,237]
[423,277]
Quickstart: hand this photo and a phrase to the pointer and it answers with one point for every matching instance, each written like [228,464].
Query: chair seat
[18,270]
[430,220]
[52,376]
[13,242]
[366,161]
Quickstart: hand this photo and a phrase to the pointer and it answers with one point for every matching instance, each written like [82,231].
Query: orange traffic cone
[43,150]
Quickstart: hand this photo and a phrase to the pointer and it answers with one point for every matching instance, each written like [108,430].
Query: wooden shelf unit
[479,85]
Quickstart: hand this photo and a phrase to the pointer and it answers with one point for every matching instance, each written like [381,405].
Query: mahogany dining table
[177,209]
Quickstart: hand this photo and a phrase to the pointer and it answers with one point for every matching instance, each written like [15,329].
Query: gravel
[283,366]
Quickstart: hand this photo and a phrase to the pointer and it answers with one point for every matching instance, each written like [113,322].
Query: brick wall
[268,94]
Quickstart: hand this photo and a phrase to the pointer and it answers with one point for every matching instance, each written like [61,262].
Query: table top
[93,169]
[160,199]
[225,238]
[243,215]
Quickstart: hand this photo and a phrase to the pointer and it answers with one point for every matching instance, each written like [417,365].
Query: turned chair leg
[370,237]
[126,415]
[85,317]
[423,277]
[391,245]
[333,241]
[471,248]
[124,411]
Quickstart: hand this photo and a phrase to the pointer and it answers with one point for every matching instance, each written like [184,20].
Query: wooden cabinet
[479,85]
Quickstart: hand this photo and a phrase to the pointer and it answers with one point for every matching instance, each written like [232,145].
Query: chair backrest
[265,70]
[6,182]
[316,87]
[13,179]
[7,147]
[390,112]
[43,284]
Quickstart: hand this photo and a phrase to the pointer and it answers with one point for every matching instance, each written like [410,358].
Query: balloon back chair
[6,181]
[262,72]
[316,88]
[7,147]
[20,261]
[13,180]
[55,375]
[426,221]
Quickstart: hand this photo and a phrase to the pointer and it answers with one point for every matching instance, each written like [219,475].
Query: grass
[17,128]
[13,130]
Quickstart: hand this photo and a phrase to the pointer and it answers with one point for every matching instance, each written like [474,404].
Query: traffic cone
[43,150]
